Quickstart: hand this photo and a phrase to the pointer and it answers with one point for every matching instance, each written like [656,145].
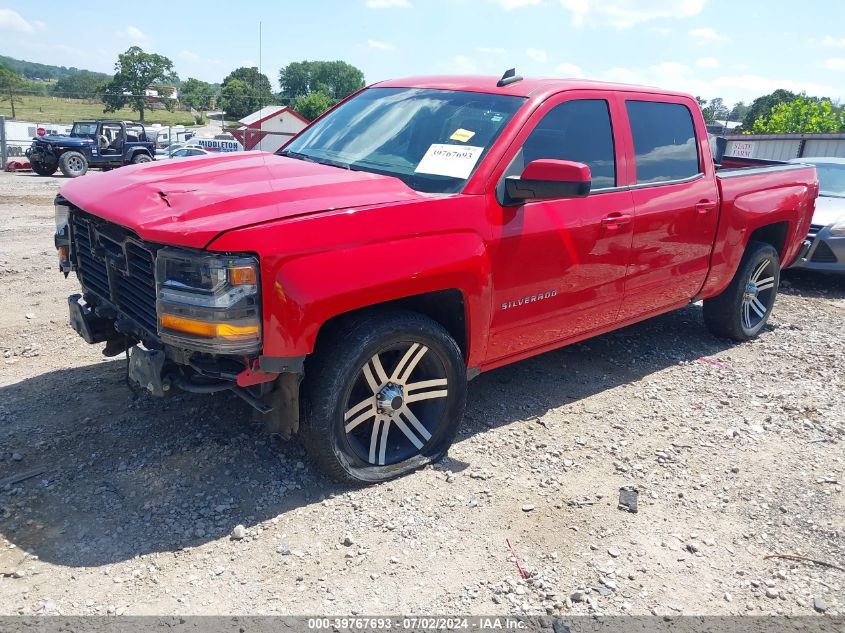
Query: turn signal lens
[205,329]
[63,256]
[243,276]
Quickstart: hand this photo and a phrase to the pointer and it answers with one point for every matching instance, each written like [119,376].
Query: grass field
[56,110]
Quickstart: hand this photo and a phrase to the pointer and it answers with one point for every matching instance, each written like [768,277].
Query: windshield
[84,129]
[831,179]
[431,139]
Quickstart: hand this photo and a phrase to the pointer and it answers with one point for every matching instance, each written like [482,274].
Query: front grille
[116,267]
[823,254]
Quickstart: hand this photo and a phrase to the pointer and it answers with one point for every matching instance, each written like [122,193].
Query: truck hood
[190,201]
[829,210]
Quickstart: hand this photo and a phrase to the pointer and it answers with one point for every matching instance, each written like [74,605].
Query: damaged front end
[189,320]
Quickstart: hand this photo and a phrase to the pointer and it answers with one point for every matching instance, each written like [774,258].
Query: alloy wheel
[759,295]
[390,416]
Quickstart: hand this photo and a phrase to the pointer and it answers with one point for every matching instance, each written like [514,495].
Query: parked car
[422,231]
[827,231]
[190,151]
[102,144]
[180,149]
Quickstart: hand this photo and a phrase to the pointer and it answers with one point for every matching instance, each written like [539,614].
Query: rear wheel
[73,164]
[384,395]
[44,169]
[741,311]
[140,158]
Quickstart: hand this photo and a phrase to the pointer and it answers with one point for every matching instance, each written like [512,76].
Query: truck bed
[756,194]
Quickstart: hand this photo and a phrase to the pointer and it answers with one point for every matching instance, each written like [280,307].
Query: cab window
[664,141]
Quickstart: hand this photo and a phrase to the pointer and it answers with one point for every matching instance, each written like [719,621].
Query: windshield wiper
[314,159]
[298,156]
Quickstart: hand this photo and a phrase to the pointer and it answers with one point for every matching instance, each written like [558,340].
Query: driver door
[559,265]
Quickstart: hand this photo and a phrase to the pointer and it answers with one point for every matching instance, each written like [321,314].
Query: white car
[827,230]
[177,150]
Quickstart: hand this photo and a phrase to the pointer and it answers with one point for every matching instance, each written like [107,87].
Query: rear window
[664,141]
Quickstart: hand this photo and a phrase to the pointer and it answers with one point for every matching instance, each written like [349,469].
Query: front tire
[44,169]
[744,307]
[384,395]
[140,158]
[73,164]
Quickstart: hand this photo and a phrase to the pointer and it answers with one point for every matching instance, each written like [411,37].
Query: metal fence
[785,146]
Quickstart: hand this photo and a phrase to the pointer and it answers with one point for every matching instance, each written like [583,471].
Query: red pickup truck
[420,232]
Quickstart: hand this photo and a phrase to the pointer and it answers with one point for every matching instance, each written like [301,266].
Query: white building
[269,128]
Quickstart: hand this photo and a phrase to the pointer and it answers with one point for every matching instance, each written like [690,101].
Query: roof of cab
[527,87]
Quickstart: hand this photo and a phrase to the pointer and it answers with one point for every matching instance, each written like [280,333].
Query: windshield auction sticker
[456,161]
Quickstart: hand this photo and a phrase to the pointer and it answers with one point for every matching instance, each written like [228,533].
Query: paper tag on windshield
[456,161]
[462,135]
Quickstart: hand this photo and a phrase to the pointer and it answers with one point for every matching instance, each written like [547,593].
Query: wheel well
[444,306]
[774,234]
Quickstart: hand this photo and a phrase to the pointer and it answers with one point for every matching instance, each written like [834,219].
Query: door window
[664,141]
[578,131]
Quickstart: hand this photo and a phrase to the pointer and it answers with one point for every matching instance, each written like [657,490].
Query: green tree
[738,112]
[762,106]
[718,109]
[336,79]
[82,85]
[135,71]
[197,94]
[236,99]
[10,84]
[802,115]
[313,104]
[251,92]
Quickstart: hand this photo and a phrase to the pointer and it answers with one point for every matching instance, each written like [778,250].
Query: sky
[734,49]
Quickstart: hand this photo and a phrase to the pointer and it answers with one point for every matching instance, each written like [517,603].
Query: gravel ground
[183,506]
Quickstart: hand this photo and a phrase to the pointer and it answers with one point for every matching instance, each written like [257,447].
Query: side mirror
[549,179]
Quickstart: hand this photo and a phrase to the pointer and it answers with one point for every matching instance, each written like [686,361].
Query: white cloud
[537,55]
[135,36]
[461,65]
[835,63]
[13,21]
[508,5]
[39,25]
[380,46]
[707,62]
[827,40]
[662,30]
[705,35]
[569,70]
[487,50]
[388,4]
[189,56]
[623,14]
[732,88]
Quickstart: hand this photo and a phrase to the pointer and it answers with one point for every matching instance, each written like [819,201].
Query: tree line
[312,87]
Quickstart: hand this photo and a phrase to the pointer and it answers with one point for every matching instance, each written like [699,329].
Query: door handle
[705,206]
[615,220]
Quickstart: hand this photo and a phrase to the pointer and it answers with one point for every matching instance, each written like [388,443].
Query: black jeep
[104,144]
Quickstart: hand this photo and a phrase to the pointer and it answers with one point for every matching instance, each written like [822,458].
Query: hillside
[33,70]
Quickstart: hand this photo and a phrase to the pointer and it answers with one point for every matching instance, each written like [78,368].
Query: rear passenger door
[675,207]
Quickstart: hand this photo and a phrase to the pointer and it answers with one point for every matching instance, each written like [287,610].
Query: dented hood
[190,201]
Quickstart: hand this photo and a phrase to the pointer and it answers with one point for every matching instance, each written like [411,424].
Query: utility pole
[3,153]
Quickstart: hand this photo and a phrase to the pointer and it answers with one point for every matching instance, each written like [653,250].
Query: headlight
[62,211]
[208,302]
[62,237]
[838,228]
